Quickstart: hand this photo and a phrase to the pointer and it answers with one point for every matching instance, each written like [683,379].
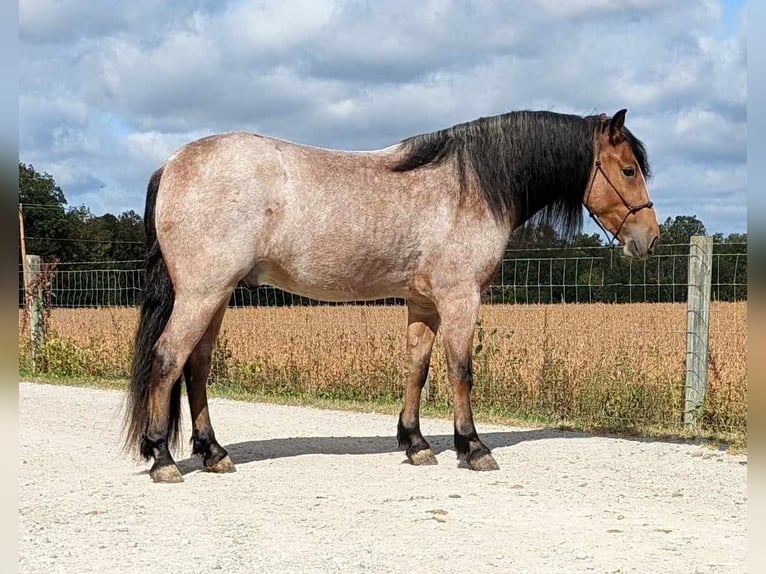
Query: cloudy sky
[108,90]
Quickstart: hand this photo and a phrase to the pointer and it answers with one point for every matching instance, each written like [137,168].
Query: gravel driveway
[326,491]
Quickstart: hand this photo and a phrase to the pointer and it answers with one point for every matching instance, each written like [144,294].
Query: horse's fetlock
[146,448]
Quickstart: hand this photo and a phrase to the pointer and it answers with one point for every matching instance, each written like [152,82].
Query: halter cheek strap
[631,208]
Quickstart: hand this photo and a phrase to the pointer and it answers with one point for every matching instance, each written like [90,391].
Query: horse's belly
[328,280]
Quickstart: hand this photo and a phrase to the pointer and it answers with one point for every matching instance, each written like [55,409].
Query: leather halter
[631,208]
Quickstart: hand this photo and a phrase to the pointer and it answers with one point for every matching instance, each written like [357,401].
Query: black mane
[527,164]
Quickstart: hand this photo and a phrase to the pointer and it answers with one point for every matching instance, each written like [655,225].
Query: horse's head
[617,197]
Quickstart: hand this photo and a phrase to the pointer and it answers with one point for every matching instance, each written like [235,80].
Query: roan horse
[427,220]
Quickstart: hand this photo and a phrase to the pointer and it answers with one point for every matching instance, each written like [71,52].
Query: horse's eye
[628,171]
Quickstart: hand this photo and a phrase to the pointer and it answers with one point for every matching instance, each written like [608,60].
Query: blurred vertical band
[9,37]
[756,224]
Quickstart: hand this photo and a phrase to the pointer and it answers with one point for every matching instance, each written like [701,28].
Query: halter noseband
[631,208]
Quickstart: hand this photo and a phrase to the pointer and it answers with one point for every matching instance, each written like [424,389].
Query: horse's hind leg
[196,372]
[188,322]
[422,324]
[459,314]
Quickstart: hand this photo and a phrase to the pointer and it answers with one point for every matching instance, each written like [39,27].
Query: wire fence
[615,359]
[584,275]
[604,275]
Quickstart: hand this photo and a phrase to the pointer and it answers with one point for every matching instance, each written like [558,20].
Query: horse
[426,220]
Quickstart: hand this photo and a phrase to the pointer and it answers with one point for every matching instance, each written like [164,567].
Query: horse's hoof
[222,466]
[422,458]
[486,462]
[167,473]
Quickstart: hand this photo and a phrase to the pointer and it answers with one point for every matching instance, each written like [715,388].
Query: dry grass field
[616,367]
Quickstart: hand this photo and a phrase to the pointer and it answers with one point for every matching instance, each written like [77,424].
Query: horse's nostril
[653,244]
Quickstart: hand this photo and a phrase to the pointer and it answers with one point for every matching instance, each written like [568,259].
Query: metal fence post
[35,307]
[697,327]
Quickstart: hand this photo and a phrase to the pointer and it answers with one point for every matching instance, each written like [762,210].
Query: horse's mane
[527,164]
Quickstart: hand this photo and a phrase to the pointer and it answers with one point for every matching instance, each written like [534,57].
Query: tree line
[540,265]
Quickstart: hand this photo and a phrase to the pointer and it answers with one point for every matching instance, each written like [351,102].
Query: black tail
[156,306]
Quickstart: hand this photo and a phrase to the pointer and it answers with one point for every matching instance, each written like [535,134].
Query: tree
[74,234]
[735,238]
[129,230]
[45,219]
[588,240]
[38,188]
[679,229]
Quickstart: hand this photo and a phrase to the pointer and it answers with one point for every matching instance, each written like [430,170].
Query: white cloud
[260,29]
[106,92]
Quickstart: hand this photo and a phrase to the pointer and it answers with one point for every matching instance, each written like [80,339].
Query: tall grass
[609,367]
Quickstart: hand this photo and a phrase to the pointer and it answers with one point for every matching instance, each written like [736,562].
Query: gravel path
[326,491]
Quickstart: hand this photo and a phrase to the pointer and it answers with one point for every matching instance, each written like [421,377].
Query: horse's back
[322,223]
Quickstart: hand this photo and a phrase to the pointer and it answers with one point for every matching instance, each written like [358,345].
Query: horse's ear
[615,125]
[605,119]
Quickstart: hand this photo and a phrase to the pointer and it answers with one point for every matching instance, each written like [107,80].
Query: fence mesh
[551,342]
[588,275]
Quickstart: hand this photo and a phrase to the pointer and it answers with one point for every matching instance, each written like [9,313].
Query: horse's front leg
[459,314]
[422,324]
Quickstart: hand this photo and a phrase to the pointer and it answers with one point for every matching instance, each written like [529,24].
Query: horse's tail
[156,307]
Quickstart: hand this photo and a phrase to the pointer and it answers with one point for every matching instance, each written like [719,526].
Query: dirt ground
[326,491]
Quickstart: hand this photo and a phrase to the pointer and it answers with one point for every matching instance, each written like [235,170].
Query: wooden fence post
[35,307]
[697,327]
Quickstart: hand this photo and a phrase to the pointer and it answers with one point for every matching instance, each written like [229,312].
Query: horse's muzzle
[641,248]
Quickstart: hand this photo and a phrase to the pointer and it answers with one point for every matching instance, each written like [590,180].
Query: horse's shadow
[269,449]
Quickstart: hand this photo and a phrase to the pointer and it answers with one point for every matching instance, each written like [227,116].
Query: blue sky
[108,91]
